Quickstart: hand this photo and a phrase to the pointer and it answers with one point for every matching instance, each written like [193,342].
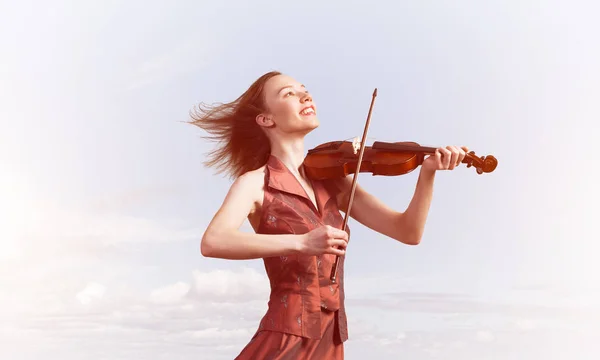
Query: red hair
[243,145]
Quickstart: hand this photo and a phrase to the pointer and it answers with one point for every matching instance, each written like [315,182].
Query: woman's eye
[289,93]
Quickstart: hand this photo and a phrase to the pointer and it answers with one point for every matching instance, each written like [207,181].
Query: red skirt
[274,345]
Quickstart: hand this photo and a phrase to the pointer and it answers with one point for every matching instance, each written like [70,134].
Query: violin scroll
[483,164]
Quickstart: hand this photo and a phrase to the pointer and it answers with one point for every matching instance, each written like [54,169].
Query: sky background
[104,199]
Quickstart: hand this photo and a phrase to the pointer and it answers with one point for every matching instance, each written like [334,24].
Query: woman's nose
[306,97]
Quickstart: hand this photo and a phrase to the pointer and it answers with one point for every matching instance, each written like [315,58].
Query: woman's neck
[291,153]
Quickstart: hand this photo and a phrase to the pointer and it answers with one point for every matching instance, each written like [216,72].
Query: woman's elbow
[406,234]
[412,238]
[413,241]
[206,246]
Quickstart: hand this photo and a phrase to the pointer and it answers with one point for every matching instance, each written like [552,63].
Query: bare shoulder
[251,184]
[242,201]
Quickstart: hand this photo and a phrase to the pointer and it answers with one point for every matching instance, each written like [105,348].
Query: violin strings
[358,137]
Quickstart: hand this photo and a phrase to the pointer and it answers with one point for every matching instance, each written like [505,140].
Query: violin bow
[354,183]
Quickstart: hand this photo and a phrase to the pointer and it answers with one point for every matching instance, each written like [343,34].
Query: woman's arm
[408,226]
[222,238]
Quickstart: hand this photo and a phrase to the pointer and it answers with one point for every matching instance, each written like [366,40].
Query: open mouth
[308,111]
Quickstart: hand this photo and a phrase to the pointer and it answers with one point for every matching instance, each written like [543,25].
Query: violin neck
[408,147]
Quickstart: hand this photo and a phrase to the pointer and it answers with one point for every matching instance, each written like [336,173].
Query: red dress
[306,318]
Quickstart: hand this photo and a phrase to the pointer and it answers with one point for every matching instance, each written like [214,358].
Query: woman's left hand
[445,158]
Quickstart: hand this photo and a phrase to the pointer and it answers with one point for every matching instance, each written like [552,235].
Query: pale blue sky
[104,197]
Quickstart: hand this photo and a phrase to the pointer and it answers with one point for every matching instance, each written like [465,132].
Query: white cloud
[93,291]
[50,230]
[33,227]
[485,336]
[110,229]
[215,313]
[170,294]
[15,203]
[215,336]
[525,324]
[178,314]
[227,285]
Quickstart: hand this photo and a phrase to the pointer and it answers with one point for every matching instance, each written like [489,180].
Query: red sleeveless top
[300,285]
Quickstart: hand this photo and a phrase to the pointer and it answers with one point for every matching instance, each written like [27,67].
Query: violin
[337,159]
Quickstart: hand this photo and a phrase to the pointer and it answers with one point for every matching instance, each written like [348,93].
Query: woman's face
[290,107]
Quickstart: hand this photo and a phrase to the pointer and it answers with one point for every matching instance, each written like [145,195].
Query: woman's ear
[264,120]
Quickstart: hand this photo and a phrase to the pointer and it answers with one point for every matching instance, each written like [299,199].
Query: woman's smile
[307,111]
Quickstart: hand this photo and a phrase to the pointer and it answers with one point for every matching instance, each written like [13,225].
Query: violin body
[338,159]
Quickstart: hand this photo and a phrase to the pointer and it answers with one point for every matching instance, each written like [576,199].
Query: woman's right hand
[324,240]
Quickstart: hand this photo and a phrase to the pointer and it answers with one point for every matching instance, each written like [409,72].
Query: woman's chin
[312,125]
[312,121]
[306,125]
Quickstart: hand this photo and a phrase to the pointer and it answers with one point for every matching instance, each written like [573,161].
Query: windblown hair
[242,144]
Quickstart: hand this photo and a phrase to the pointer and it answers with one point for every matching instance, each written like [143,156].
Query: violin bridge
[356,145]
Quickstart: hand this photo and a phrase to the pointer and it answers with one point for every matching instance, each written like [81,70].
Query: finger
[461,155]
[342,235]
[335,251]
[338,243]
[446,158]
[438,158]
[453,157]
[335,233]
[452,161]
[338,234]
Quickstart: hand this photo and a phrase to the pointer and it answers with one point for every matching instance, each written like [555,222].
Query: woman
[296,221]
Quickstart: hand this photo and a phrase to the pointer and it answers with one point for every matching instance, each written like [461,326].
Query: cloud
[485,336]
[91,292]
[219,286]
[170,294]
[218,309]
[52,230]
[110,229]
[525,324]
[213,314]
[449,303]
[229,286]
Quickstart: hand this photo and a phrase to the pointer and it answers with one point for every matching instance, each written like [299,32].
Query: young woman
[296,221]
